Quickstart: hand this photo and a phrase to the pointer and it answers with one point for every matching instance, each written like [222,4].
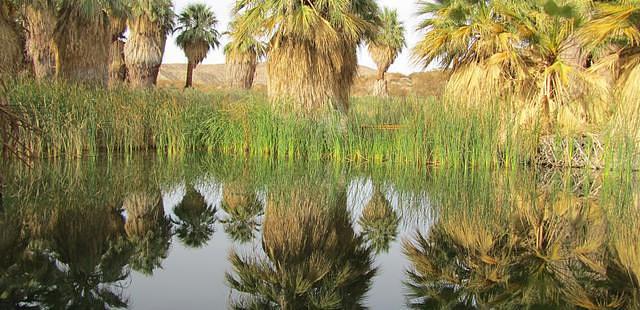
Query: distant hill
[209,77]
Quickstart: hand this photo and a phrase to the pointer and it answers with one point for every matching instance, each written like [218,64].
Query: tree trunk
[311,78]
[82,52]
[117,67]
[380,88]
[240,73]
[40,24]
[190,67]
[10,54]
[143,52]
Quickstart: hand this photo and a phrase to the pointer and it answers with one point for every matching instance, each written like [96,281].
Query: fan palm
[312,47]
[11,54]
[242,53]
[522,49]
[385,46]
[149,23]
[313,258]
[197,24]
[196,220]
[616,24]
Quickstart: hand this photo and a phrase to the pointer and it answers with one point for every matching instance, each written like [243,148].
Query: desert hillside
[213,77]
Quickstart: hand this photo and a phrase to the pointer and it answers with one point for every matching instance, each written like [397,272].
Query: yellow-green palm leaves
[385,46]
[312,47]
[523,50]
[242,53]
[615,29]
[198,35]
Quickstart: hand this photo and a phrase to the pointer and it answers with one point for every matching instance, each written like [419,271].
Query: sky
[222,8]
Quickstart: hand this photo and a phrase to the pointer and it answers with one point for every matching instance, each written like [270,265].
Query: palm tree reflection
[545,251]
[379,222]
[148,229]
[196,220]
[243,209]
[312,258]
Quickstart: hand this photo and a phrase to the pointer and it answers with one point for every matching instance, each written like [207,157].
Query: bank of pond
[221,232]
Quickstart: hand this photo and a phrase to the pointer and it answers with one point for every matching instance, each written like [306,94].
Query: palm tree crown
[198,34]
[388,42]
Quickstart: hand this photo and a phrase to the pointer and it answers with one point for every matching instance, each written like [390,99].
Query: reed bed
[77,121]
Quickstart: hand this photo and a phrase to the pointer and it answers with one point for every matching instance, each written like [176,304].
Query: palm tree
[312,257]
[312,47]
[196,220]
[379,222]
[82,41]
[197,23]
[11,53]
[385,46]
[525,50]
[149,23]
[616,25]
[242,53]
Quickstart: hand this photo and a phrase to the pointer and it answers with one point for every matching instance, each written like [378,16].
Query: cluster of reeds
[78,120]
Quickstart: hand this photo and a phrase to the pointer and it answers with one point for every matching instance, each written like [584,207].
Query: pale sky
[222,8]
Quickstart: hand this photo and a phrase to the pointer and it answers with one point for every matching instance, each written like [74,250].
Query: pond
[144,232]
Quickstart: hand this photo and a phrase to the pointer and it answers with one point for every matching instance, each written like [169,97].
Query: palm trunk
[241,72]
[40,24]
[10,54]
[117,67]
[82,52]
[190,67]
[380,88]
[143,52]
[311,77]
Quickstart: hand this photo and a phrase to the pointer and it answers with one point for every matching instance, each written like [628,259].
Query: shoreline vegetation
[545,82]
[83,120]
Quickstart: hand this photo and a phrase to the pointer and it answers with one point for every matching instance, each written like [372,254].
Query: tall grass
[76,121]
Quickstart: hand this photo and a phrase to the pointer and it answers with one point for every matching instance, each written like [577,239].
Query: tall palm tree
[518,49]
[385,46]
[242,53]
[312,47]
[11,53]
[197,24]
[149,23]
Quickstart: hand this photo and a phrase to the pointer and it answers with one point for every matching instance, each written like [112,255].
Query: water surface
[212,233]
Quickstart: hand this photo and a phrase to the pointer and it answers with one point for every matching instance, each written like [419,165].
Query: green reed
[74,121]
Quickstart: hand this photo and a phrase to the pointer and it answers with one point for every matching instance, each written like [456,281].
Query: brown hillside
[209,77]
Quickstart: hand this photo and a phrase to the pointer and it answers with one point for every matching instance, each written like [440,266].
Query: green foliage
[197,31]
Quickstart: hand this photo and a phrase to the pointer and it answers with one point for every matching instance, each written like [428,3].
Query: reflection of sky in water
[194,278]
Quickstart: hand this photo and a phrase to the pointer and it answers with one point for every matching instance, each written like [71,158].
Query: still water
[215,233]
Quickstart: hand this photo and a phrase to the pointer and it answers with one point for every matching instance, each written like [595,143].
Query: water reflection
[528,246]
[311,256]
[196,220]
[75,235]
